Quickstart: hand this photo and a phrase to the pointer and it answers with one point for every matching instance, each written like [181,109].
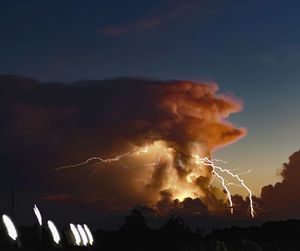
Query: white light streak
[89,234]
[10,227]
[216,171]
[205,161]
[83,235]
[100,160]
[54,232]
[38,214]
[220,160]
[75,234]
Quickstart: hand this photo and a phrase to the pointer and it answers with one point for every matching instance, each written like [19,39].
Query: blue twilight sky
[249,48]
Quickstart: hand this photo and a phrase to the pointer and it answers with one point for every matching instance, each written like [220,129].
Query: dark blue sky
[250,48]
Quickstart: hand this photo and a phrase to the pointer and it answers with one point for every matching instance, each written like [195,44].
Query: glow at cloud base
[181,174]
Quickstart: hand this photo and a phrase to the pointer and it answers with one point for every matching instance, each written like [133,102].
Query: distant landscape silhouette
[175,234]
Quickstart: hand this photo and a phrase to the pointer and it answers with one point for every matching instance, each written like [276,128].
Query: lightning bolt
[233,184]
[100,160]
[220,160]
[216,171]
[205,161]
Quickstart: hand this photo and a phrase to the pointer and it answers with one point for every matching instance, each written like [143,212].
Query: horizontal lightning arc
[115,159]
[220,160]
[204,161]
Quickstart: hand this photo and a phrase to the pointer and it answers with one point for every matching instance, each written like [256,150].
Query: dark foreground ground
[174,235]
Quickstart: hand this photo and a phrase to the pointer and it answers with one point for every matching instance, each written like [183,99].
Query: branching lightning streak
[211,181]
[246,172]
[205,161]
[243,184]
[233,184]
[220,160]
[235,169]
[100,160]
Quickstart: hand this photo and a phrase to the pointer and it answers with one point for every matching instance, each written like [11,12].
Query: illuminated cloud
[68,123]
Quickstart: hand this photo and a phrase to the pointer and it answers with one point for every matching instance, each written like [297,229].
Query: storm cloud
[47,125]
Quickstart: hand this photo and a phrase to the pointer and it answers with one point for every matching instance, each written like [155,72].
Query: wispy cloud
[151,21]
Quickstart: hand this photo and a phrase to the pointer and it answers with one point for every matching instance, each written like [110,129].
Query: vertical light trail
[83,235]
[38,214]
[75,234]
[54,232]
[10,227]
[89,234]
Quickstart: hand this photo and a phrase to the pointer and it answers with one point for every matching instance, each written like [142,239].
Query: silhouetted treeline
[134,234]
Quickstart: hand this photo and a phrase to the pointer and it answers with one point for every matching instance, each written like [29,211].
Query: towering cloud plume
[52,125]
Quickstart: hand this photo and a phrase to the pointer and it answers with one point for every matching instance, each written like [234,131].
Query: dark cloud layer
[279,201]
[283,199]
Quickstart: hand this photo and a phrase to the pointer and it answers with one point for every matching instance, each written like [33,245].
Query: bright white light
[83,235]
[10,227]
[54,232]
[75,234]
[37,214]
[89,234]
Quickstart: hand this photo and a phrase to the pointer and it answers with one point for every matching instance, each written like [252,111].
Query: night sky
[251,49]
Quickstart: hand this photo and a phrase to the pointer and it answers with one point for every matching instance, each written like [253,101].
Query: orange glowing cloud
[68,124]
